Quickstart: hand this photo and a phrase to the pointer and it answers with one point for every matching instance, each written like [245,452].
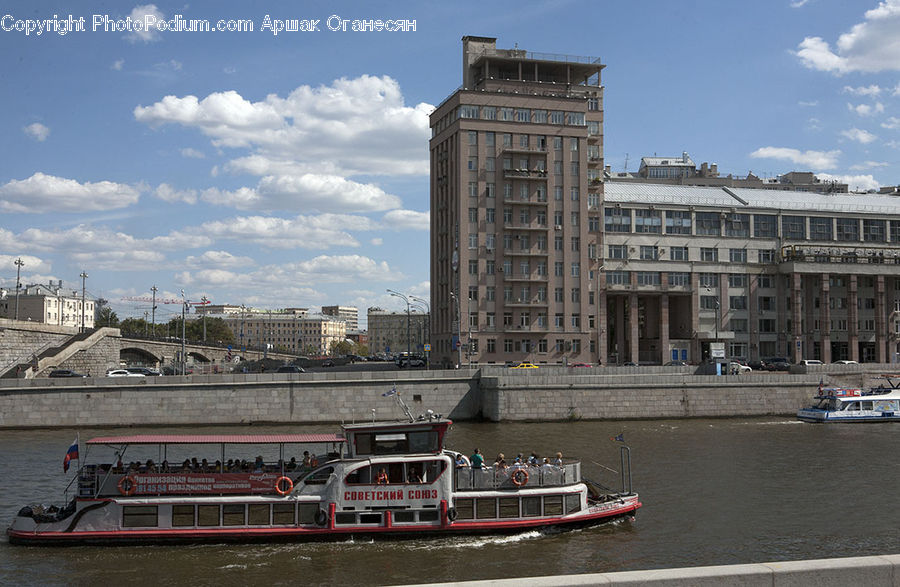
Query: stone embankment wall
[492,393]
[19,341]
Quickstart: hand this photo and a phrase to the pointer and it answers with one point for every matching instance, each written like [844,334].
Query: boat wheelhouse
[879,404]
[376,479]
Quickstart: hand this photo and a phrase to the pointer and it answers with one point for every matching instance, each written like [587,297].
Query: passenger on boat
[382,478]
[477,460]
[559,461]
[120,468]
[307,463]
[519,462]
[186,466]
[258,464]
[461,461]
[500,457]
[150,466]
[534,460]
[195,466]
[204,466]
[413,476]
[292,464]
[164,468]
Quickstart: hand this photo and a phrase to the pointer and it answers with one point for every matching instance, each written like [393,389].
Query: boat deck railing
[488,478]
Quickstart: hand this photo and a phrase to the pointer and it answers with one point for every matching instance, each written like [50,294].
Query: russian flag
[71,454]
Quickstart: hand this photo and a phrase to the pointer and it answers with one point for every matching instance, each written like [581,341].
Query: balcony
[529,174]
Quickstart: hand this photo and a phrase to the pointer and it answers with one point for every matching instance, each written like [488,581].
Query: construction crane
[202,302]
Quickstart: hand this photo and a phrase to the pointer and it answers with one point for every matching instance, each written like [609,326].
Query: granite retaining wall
[495,394]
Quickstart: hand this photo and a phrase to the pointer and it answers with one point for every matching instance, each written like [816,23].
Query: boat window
[391,444]
[258,514]
[360,475]
[404,516]
[866,405]
[553,505]
[345,518]
[573,503]
[429,516]
[319,476]
[851,406]
[207,515]
[139,516]
[426,441]
[509,507]
[531,506]
[363,444]
[464,509]
[233,514]
[485,507]
[182,515]
[370,518]
[308,513]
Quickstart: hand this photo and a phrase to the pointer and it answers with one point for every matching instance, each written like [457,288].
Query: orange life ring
[288,484]
[519,477]
[127,486]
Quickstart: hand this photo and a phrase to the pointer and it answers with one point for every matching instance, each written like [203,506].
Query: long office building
[535,257]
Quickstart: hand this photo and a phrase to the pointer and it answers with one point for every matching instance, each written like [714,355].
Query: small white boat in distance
[879,404]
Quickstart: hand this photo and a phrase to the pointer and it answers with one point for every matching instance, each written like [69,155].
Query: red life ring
[286,481]
[519,477]
[127,486]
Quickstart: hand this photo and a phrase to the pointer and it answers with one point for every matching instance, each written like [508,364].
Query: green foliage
[106,317]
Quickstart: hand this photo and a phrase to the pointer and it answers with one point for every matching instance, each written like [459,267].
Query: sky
[278,168]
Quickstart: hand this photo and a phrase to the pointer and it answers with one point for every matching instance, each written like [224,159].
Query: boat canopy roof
[219,439]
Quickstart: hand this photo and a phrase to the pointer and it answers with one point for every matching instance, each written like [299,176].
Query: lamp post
[205,301]
[458,331]
[183,358]
[83,276]
[426,339]
[397,294]
[19,264]
[718,318]
[242,329]
[153,289]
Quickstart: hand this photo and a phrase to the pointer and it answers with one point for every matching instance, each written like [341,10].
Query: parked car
[738,368]
[676,364]
[629,364]
[328,363]
[811,362]
[845,362]
[525,365]
[777,364]
[411,362]
[290,369]
[64,373]
[580,365]
[146,372]
[122,373]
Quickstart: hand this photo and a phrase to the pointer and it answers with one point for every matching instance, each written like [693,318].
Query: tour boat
[879,404]
[387,479]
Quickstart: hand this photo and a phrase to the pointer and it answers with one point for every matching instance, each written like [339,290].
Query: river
[714,492]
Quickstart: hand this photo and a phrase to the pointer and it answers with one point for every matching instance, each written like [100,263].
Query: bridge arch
[137,355]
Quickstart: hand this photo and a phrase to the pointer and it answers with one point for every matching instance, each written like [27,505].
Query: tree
[106,317]
[341,347]
[133,327]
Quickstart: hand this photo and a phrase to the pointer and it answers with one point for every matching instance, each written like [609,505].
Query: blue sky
[292,169]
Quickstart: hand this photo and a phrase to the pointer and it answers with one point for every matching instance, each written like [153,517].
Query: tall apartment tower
[516,196]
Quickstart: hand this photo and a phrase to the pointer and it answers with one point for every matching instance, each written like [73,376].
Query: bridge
[29,350]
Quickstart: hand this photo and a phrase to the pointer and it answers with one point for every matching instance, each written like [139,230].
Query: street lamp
[427,338]
[458,331]
[83,276]
[183,358]
[205,301]
[397,294]
[718,318]
[19,264]
[153,289]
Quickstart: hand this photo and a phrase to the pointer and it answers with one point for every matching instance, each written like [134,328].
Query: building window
[648,278]
[793,227]
[618,278]
[679,279]
[678,222]
[737,325]
[874,231]
[473,267]
[490,293]
[576,295]
[765,226]
[489,113]
[709,302]
[507,114]
[709,255]
[709,280]
[558,295]
[473,292]
[737,280]
[709,224]
[647,221]
[617,219]
[766,255]
[766,325]
[678,253]
[473,240]
[468,112]
[491,345]
[737,302]
[820,228]
[576,244]
[576,269]
[737,225]
[523,115]
[737,255]
[649,253]
[766,303]
[489,214]
[473,189]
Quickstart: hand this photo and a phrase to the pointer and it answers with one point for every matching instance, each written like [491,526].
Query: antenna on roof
[403,406]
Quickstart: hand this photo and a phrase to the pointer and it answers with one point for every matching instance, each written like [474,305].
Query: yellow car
[525,365]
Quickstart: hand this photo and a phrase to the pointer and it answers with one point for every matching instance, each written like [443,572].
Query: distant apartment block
[49,304]
[349,314]
[394,332]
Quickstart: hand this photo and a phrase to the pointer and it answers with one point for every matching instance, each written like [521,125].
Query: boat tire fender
[451,514]
[127,486]
[284,485]
[519,477]
[321,518]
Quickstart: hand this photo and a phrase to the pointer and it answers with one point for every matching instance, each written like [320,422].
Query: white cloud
[868,165]
[218,260]
[866,109]
[42,193]
[813,159]
[808,103]
[32,264]
[376,242]
[303,232]
[192,153]
[354,126]
[872,90]
[324,192]
[896,90]
[869,46]
[798,3]
[891,123]
[117,65]
[167,193]
[37,131]
[140,13]
[407,220]
[858,183]
[859,135]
